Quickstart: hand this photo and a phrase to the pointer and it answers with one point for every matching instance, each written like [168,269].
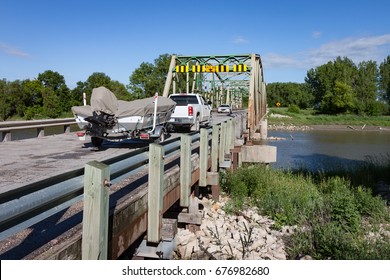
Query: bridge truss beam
[222,79]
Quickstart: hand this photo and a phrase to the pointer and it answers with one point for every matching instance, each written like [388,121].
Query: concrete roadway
[29,160]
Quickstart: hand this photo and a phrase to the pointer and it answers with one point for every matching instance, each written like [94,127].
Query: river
[323,149]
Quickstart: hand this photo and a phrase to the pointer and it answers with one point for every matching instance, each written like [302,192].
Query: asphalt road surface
[30,160]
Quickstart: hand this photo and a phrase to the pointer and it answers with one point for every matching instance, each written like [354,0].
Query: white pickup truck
[190,113]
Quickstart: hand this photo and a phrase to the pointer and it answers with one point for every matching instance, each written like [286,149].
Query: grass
[337,214]
[310,117]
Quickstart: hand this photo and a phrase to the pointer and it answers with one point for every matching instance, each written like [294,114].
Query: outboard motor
[99,123]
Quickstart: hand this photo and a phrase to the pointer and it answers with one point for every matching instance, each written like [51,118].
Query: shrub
[293,109]
[283,196]
[336,219]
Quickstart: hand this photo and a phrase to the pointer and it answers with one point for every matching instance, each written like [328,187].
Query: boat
[108,118]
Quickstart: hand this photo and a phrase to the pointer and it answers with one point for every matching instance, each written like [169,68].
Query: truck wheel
[196,126]
[96,141]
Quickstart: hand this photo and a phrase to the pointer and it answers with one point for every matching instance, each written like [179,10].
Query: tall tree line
[48,96]
[339,86]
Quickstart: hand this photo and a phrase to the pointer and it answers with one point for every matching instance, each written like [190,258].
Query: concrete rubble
[221,236]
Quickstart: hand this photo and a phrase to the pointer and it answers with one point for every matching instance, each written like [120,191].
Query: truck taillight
[190,111]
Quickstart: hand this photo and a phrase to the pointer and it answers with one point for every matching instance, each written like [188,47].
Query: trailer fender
[158,130]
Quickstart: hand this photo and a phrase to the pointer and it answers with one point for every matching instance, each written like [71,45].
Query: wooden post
[214,148]
[227,136]
[222,143]
[185,170]
[203,157]
[233,135]
[95,216]
[155,193]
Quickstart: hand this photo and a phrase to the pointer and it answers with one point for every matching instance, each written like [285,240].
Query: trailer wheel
[161,138]
[96,141]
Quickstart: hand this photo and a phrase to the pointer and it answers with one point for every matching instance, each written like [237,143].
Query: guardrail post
[95,216]
[185,170]
[203,157]
[155,193]
[233,135]
[229,136]
[222,143]
[6,136]
[214,148]
[215,189]
[40,132]
[66,129]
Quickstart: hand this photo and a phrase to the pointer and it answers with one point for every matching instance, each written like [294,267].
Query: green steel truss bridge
[222,79]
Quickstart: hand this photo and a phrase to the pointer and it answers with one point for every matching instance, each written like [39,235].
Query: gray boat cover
[84,111]
[104,100]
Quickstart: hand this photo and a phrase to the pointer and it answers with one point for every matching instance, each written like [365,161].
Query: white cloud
[273,60]
[360,49]
[357,49]
[240,40]
[316,34]
[12,51]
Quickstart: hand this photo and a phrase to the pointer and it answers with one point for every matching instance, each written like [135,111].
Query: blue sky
[78,38]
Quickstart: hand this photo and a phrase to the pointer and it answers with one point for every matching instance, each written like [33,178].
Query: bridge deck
[29,160]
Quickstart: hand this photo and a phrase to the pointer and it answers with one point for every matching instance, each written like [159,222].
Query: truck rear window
[184,100]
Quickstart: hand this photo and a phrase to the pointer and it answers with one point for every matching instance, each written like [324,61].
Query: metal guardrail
[7,127]
[32,203]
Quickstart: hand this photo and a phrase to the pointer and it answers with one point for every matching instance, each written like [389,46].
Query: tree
[77,94]
[150,78]
[319,81]
[289,94]
[5,105]
[57,91]
[366,87]
[141,82]
[333,79]
[120,91]
[95,80]
[339,100]
[384,80]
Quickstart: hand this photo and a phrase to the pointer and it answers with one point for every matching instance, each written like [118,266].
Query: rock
[306,257]
[222,236]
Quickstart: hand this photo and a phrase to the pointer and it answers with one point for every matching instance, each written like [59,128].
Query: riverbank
[281,117]
[334,127]
[330,216]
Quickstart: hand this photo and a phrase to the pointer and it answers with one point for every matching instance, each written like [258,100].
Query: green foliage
[284,197]
[288,94]
[340,86]
[340,100]
[150,78]
[336,219]
[341,204]
[293,109]
[384,80]
[49,97]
